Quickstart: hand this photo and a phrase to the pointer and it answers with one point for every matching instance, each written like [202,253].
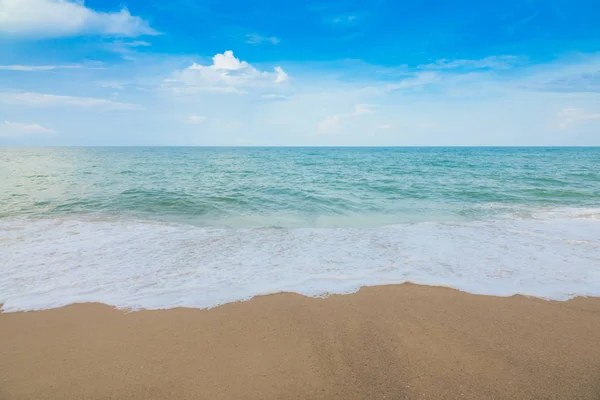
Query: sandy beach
[388,342]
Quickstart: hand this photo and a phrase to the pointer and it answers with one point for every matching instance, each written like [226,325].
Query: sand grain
[392,342]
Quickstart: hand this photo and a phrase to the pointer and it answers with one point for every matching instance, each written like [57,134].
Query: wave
[144,264]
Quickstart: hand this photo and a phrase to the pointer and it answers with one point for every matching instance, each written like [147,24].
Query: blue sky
[188,72]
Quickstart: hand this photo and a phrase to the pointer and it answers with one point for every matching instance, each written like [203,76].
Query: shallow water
[198,227]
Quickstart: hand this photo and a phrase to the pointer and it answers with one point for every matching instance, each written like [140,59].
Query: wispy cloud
[127,49]
[333,123]
[196,119]
[343,103]
[578,78]
[571,116]
[32,99]
[37,68]
[274,96]
[253,38]
[416,81]
[117,85]
[360,109]
[133,43]
[344,19]
[10,129]
[60,18]
[492,62]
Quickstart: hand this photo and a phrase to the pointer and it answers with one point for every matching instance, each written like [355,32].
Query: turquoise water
[162,227]
[296,186]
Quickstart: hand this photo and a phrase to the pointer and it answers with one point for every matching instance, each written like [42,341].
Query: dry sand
[389,342]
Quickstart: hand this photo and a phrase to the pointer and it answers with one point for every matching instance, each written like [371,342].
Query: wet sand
[388,342]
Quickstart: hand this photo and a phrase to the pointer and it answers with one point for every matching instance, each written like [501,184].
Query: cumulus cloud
[570,116]
[255,39]
[321,107]
[32,99]
[17,129]
[60,18]
[227,74]
[227,61]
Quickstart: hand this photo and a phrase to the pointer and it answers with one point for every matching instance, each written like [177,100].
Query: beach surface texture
[388,342]
[308,273]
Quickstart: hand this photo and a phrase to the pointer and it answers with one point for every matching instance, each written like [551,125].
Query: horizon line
[305,146]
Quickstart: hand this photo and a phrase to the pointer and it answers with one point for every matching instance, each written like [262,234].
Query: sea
[163,227]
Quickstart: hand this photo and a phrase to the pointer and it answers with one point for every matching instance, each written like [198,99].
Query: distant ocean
[197,227]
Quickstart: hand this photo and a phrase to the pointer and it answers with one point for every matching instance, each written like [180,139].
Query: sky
[310,73]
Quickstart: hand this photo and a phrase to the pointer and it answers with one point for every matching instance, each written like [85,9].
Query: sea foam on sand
[47,263]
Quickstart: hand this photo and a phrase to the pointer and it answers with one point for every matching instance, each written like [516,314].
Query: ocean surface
[198,227]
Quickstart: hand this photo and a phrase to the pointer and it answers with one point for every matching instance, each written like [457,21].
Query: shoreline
[326,296]
[402,341]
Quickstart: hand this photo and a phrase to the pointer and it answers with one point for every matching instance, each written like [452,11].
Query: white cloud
[417,81]
[331,104]
[196,119]
[345,18]
[491,62]
[50,100]
[127,50]
[227,74]
[17,129]
[570,116]
[37,68]
[227,62]
[254,38]
[274,96]
[59,18]
[111,85]
[137,43]
[282,76]
[331,124]
[362,109]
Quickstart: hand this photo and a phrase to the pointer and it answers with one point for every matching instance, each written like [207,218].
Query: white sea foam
[141,264]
